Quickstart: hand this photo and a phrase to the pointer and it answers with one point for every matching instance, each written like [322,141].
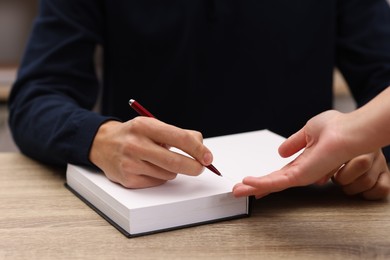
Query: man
[217,67]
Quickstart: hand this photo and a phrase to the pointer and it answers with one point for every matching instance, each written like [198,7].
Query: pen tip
[217,172]
[213,169]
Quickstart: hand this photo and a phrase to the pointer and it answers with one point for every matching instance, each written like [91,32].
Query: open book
[184,201]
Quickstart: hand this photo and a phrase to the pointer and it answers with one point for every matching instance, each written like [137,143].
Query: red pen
[144,112]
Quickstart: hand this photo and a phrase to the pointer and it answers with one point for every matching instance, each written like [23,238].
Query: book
[187,200]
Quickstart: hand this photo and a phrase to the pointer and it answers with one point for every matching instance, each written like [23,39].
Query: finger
[165,161]
[295,173]
[172,161]
[380,190]
[367,180]
[242,190]
[188,141]
[141,181]
[353,169]
[293,144]
[135,174]
[273,182]
[135,181]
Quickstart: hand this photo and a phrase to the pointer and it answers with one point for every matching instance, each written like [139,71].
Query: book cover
[185,201]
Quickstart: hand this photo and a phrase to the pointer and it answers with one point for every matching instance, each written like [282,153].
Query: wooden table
[41,219]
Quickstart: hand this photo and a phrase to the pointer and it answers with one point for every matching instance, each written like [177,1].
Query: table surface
[41,219]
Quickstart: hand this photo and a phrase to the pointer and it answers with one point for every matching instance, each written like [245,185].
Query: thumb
[293,144]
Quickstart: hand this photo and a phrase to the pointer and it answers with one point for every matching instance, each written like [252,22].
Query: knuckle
[363,162]
[137,124]
[198,135]
[293,175]
[129,181]
[192,136]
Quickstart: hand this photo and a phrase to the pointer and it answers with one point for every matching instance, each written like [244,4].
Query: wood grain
[41,219]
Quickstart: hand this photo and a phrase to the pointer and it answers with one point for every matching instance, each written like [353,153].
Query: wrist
[100,141]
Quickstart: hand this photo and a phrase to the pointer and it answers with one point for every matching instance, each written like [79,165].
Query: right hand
[134,153]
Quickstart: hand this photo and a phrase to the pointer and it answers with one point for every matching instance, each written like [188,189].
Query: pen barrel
[139,108]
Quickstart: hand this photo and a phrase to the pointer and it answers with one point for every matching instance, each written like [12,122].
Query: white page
[247,154]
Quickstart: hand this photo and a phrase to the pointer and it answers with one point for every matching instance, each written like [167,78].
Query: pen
[144,112]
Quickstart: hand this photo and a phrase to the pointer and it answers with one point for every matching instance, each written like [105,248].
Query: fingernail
[207,158]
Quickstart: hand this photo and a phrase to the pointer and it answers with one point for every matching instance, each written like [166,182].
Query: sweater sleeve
[363,48]
[51,117]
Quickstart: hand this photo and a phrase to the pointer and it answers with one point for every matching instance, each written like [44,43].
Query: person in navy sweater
[203,68]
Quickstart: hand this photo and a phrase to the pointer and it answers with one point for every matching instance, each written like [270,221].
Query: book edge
[129,235]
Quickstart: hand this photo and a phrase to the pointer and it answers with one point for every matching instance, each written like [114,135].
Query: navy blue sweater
[216,66]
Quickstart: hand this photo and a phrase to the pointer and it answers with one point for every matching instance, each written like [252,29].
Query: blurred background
[16,17]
